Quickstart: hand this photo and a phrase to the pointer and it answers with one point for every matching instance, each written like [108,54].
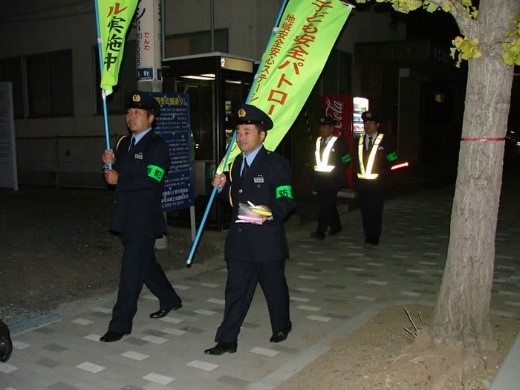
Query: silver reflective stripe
[366,173]
[322,160]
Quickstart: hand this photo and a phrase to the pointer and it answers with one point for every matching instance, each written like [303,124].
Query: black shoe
[281,336]
[222,348]
[334,231]
[163,313]
[110,337]
[318,235]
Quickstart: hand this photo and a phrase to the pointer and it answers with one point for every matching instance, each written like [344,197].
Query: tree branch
[459,13]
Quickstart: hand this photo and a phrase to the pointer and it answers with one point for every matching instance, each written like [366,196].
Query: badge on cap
[242,113]
[136,98]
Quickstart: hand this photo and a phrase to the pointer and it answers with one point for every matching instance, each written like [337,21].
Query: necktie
[245,169]
[370,143]
[132,143]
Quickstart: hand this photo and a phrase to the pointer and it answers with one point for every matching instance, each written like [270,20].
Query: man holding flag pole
[140,164]
[137,168]
[259,186]
[259,190]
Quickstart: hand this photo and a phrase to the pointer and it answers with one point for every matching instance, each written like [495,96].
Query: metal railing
[61,161]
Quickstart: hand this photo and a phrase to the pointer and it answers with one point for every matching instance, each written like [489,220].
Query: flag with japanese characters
[114,19]
[292,63]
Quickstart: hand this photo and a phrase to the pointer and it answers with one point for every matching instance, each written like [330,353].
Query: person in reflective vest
[375,154]
[331,157]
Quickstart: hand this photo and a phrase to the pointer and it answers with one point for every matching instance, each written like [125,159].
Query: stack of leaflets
[249,213]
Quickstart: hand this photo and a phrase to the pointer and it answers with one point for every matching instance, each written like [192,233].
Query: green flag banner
[292,63]
[114,18]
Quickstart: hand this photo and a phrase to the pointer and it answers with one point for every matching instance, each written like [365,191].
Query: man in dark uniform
[140,163]
[255,252]
[375,154]
[332,157]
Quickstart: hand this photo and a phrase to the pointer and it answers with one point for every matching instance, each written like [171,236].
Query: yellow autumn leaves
[511,45]
[464,49]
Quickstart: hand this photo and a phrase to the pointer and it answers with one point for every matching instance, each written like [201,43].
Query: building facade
[49,53]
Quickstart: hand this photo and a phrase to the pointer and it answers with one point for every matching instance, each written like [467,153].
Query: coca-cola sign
[340,107]
[334,109]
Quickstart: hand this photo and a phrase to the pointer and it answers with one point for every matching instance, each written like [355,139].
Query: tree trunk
[462,310]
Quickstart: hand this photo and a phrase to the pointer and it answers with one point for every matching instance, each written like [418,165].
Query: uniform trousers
[328,215]
[242,280]
[371,200]
[139,266]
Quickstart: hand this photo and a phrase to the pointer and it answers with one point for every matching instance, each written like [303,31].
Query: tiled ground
[333,285]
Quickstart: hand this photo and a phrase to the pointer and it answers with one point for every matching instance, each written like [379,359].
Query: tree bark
[462,310]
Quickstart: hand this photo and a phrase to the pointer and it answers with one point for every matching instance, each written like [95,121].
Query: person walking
[259,190]
[332,157]
[140,163]
[376,152]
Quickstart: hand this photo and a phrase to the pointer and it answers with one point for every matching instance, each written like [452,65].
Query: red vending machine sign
[341,107]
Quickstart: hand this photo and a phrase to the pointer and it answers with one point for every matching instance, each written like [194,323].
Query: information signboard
[173,125]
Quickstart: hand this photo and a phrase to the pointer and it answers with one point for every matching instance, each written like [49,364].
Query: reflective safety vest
[322,160]
[366,172]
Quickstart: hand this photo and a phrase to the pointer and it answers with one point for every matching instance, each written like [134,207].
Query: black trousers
[139,266]
[371,200]
[328,215]
[242,280]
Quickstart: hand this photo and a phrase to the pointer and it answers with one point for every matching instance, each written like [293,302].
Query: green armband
[345,159]
[284,192]
[155,172]
[392,156]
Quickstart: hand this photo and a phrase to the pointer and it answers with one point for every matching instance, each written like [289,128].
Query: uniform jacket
[385,157]
[335,179]
[137,202]
[258,243]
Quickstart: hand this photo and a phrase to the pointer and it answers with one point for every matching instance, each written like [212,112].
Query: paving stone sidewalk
[335,285]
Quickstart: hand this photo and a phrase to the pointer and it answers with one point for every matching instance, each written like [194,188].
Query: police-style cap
[328,121]
[248,114]
[138,99]
[369,116]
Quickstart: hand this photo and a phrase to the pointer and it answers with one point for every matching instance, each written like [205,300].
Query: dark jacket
[268,183]
[137,202]
[337,178]
[386,156]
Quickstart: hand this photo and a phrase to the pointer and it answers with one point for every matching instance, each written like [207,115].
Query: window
[11,70]
[196,43]
[336,74]
[49,84]
[127,80]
